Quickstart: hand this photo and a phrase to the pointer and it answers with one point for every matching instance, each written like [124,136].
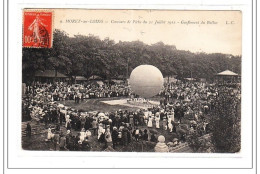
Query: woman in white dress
[108,138]
[67,120]
[157,122]
[82,135]
[170,126]
[150,122]
[87,134]
[100,130]
[49,135]
[172,114]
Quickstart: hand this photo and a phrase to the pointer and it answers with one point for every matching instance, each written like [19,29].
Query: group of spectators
[185,108]
[60,91]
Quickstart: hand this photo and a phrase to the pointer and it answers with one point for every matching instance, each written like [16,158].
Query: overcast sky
[188,32]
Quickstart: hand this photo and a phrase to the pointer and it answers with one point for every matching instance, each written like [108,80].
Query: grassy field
[97,105]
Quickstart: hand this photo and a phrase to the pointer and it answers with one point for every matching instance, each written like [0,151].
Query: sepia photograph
[166,81]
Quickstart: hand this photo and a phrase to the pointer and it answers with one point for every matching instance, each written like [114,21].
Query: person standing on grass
[165,123]
[69,125]
[100,130]
[55,140]
[129,135]
[124,136]
[62,142]
[49,134]
[28,130]
[145,136]
[67,120]
[82,120]
[108,138]
[114,137]
[69,140]
[85,146]
[88,122]
[46,119]
[82,135]
[63,115]
[153,138]
[76,142]
[150,122]
[78,97]
[94,126]
[75,97]
[136,134]
[157,120]
[170,126]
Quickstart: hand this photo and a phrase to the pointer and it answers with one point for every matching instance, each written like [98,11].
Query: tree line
[89,55]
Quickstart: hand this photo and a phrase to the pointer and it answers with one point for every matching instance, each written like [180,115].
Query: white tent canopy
[227,73]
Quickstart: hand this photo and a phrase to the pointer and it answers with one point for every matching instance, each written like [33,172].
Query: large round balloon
[146,81]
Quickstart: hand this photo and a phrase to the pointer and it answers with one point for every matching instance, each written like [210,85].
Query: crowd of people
[60,91]
[184,108]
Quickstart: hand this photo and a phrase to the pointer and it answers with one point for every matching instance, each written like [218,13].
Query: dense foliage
[200,144]
[226,124]
[89,55]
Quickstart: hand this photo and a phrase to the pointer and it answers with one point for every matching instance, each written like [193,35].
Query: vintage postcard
[164,81]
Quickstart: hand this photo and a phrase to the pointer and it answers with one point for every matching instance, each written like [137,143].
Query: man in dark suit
[114,137]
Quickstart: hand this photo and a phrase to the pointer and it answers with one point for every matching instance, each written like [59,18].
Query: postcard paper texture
[131,80]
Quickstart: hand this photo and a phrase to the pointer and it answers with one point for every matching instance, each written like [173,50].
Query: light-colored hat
[161,139]
[101,114]
[88,133]
[175,139]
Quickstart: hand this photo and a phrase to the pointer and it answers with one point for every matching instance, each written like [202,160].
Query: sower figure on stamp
[35,27]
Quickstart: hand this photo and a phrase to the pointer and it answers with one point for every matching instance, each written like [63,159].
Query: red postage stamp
[37,29]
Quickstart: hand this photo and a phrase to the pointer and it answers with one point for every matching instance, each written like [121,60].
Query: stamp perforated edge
[38,10]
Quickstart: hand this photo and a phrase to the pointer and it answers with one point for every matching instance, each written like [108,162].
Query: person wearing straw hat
[175,141]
